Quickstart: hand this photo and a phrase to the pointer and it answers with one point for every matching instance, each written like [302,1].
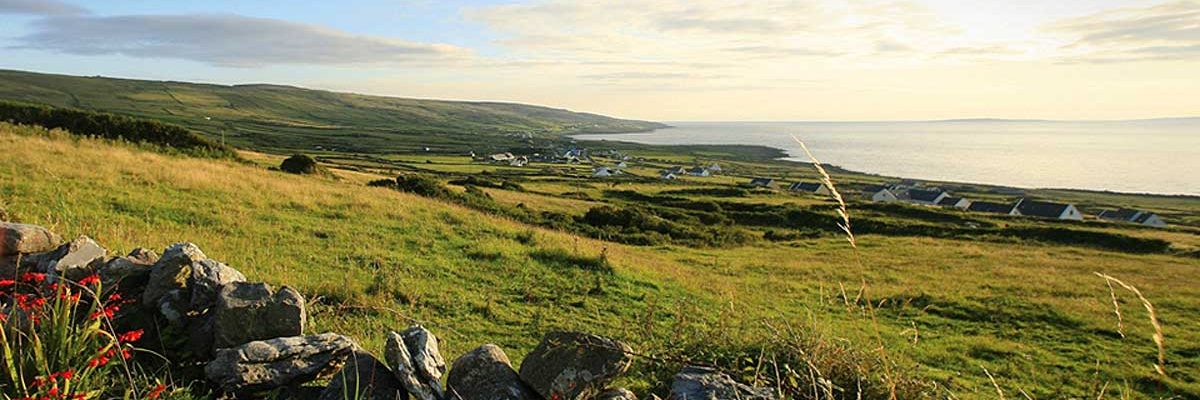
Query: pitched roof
[761,181]
[874,188]
[924,195]
[697,170]
[950,201]
[1123,214]
[1141,218]
[1045,209]
[805,186]
[990,207]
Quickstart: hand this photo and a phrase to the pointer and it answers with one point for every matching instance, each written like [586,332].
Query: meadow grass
[372,259]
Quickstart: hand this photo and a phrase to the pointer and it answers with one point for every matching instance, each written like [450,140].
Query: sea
[1159,156]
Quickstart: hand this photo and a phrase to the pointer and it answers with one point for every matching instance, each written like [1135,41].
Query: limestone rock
[365,378]
[207,278]
[269,364]
[246,312]
[699,383]
[413,355]
[73,260]
[25,239]
[574,366]
[486,374]
[131,271]
[171,271]
[616,394]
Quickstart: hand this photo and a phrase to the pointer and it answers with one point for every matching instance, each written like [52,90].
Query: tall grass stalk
[844,225]
[1159,338]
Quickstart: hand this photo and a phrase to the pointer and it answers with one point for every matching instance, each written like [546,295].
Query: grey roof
[924,195]
[1045,209]
[949,201]
[1123,214]
[805,186]
[873,188]
[990,207]
[761,181]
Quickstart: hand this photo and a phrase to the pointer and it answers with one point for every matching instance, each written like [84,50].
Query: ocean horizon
[1155,156]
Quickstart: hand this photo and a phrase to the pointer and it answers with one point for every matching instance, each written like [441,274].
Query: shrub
[299,164]
[421,185]
[111,126]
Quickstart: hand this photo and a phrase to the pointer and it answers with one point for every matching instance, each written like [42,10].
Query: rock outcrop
[486,374]
[574,366]
[270,364]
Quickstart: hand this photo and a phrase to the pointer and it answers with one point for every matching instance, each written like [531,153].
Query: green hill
[274,117]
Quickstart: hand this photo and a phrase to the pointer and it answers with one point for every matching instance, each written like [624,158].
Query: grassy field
[1031,313]
[286,118]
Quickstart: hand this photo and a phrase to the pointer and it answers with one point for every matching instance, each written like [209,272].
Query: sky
[667,60]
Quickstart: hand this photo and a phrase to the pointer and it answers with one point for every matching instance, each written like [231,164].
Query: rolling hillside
[277,117]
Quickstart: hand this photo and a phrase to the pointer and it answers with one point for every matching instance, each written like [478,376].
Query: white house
[1045,209]
[601,172]
[668,176]
[927,197]
[714,168]
[697,171]
[762,182]
[519,161]
[956,202]
[878,193]
[676,170]
[809,187]
[501,157]
[1135,216]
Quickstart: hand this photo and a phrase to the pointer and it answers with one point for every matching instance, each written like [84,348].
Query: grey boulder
[132,270]
[270,364]
[25,239]
[486,374]
[413,355]
[207,278]
[246,312]
[699,383]
[171,271]
[184,282]
[574,366]
[364,378]
[73,260]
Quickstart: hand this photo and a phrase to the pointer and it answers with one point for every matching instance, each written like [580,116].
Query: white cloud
[225,40]
[1168,31]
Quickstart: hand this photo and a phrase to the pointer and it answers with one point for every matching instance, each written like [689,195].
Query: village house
[698,171]
[990,207]
[762,182]
[1135,216]
[675,170]
[878,193]
[955,202]
[602,172]
[519,161]
[668,176]
[1045,209]
[927,197]
[809,187]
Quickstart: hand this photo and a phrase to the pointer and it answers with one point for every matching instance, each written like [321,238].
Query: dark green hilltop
[286,118]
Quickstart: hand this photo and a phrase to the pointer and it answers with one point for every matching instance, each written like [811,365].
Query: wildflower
[156,392]
[107,312]
[53,392]
[131,336]
[115,297]
[90,280]
[33,277]
[7,282]
[99,361]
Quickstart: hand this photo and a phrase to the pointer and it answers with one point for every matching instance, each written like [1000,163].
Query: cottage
[1135,216]
[519,161]
[990,207]
[1045,209]
[955,202]
[714,168]
[675,170]
[668,176]
[698,171]
[878,193]
[809,187]
[927,197]
[601,172]
[762,182]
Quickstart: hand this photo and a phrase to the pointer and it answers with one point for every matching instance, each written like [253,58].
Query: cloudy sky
[654,59]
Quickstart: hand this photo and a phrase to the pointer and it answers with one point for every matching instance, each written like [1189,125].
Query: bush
[111,126]
[299,164]
[422,185]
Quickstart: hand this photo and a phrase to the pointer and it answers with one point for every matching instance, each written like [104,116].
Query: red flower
[131,336]
[53,392]
[114,297]
[90,280]
[107,312]
[7,282]
[100,360]
[157,391]
[33,277]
